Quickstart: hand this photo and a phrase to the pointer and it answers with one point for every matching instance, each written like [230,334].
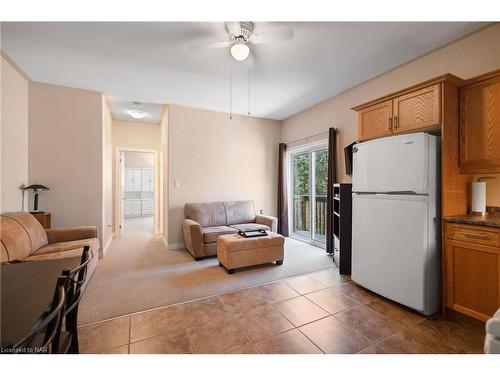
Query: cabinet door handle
[395,122]
[389,124]
[474,235]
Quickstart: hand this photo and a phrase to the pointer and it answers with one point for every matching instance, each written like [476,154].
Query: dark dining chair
[74,284]
[49,325]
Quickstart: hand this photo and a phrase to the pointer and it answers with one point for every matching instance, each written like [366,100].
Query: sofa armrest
[193,237]
[270,221]
[71,234]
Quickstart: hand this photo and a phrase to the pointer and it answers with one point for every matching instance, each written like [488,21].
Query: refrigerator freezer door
[392,164]
[390,249]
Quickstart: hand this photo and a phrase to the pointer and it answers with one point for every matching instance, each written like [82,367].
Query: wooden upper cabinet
[480,126]
[413,109]
[375,121]
[418,109]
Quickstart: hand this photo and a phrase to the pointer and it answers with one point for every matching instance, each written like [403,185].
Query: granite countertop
[491,219]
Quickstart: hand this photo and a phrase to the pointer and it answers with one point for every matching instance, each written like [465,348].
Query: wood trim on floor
[174,246]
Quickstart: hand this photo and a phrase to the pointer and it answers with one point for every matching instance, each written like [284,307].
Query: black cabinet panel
[342,227]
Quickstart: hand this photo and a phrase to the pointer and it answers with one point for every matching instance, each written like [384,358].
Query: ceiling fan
[241,35]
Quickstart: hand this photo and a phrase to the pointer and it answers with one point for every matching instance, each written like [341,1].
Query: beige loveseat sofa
[23,238]
[204,222]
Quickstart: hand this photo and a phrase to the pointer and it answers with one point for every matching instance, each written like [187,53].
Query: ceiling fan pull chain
[230,94]
[249,75]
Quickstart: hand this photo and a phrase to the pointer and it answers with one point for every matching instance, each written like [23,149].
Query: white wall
[13,135]
[164,168]
[215,158]
[136,135]
[107,176]
[66,153]
[139,159]
[468,57]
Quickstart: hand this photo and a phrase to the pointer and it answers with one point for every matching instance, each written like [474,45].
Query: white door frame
[118,178]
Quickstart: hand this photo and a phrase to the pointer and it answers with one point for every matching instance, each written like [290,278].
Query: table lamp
[36,189]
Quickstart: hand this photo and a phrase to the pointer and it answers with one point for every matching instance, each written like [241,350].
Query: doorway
[308,176]
[136,191]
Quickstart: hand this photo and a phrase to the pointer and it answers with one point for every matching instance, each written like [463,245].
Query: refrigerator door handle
[403,192]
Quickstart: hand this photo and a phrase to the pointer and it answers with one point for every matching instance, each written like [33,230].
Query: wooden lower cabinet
[471,271]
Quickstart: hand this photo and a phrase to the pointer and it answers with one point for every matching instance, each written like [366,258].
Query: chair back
[49,324]
[75,280]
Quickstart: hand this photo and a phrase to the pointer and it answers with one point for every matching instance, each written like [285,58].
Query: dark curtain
[332,178]
[282,192]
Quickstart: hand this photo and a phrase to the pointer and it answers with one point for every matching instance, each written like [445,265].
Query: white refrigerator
[396,220]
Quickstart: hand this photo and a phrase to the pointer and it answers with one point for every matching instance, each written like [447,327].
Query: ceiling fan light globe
[137,114]
[240,51]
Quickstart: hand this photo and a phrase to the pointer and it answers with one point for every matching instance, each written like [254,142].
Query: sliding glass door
[320,183]
[301,164]
[309,171]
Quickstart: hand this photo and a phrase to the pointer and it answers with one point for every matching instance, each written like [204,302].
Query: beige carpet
[140,273]
[142,223]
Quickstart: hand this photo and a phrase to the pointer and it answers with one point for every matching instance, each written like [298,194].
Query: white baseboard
[105,248]
[176,246]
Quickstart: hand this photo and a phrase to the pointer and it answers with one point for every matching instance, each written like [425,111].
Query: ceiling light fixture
[136,114]
[240,50]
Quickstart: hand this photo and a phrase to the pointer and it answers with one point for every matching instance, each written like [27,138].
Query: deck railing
[301,214]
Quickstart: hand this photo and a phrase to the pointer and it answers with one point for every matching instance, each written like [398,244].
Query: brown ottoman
[235,251]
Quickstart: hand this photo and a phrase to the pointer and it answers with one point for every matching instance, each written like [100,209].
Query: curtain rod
[312,136]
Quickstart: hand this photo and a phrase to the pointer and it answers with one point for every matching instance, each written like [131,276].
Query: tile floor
[321,312]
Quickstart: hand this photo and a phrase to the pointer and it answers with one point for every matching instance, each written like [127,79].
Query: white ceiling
[154,62]
[152,111]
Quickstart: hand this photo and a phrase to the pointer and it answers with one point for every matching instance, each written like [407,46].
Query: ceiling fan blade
[200,46]
[277,35]
[233,27]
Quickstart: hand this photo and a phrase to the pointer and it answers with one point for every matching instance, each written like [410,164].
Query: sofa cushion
[71,234]
[208,214]
[64,246]
[15,239]
[66,250]
[36,232]
[59,255]
[210,234]
[239,212]
[250,226]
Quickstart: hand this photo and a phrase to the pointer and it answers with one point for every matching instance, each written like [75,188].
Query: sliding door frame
[309,148]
